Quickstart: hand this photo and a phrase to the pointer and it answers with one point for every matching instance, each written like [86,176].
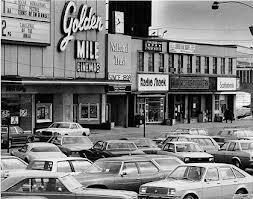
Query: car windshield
[144,143]
[60,125]
[188,147]
[121,146]
[110,167]
[77,140]
[247,146]
[12,164]
[45,149]
[70,182]
[193,173]
[41,165]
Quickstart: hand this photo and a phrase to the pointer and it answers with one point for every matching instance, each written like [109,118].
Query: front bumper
[146,196]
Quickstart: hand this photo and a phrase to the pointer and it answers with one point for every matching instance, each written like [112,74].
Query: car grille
[196,160]
[157,190]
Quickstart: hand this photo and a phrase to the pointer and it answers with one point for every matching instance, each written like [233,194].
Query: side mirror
[123,173]
[59,189]
[207,179]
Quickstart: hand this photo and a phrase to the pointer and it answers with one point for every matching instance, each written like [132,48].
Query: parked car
[67,165]
[232,134]
[61,128]
[53,185]
[146,145]
[207,143]
[237,152]
[71,145]
[192,131]
[11,163]
[201,180]
[127,172]
[111,148]
[31,151]
[186,151]
[17,136]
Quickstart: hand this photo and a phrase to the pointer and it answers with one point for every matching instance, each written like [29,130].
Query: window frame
[230,66]
[151,62]
[198,64]
[215,65]
[223,66]
[161,63]
[189,63]
[207,65]
[140,61]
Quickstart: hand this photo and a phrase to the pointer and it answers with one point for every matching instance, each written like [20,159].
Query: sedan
[111,148]
[31,151]
[17,136]
[66,165]
[61,128]
[186,151]
[71,145]
[53,185]
[237,152]
[127,172]
[205,181]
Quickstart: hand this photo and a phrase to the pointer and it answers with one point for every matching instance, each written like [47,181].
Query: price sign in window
[85,111]
[43,112]
[88,111]
[93,111]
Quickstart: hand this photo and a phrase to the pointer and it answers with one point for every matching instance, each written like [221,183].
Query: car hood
[194,154]
[177,184]
[75,147]
[41,155]
[54,129]
[149,148]
[119,153]
[106,193]
[89,178]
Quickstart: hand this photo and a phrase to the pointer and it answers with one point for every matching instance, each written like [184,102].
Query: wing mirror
[123,173]
[207,180]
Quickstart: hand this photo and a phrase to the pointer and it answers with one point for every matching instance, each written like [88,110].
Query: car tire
[241,191]
[237,164]
[190,196]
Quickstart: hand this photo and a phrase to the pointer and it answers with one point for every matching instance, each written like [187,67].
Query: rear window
[41,165]
[45,149]
[167,164]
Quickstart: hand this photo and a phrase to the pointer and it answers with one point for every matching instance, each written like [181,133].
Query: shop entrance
[118,109]
[194,105]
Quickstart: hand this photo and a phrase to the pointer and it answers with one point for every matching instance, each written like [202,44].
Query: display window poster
[43,112]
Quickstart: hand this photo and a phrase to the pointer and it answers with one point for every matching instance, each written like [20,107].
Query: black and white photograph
[115,99]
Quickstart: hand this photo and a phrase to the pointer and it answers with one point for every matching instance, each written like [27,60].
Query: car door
[230,153]
[219,156]
[129,177]
[149,172]
[229,182]
[21,136]
[212,184]
[74,129]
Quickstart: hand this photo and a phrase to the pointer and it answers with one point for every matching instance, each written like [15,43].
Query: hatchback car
[66,165]
[186,151]
[207,143]
[205,181]
[237,152]
[31,151]
[127,172]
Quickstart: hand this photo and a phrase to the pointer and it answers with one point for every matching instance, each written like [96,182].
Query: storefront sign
[152,46]
[148,82]
[119,89]
[226,83]
[38,10]
[181,48]
[119,57]
[25,30]
[84,21]
[189,83]
[119,77]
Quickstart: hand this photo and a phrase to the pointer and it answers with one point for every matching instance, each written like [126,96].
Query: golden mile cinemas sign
[74,20]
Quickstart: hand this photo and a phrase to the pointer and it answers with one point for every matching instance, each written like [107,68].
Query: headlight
[171,191]
[211,159]
[143,190]
[186,159]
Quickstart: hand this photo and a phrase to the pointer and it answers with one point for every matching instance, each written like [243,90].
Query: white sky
[196,21]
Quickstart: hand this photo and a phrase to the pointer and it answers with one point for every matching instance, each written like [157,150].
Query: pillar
[127,108]
[186,99]
[203,103]
[33,112]
[67,106]
[213,107]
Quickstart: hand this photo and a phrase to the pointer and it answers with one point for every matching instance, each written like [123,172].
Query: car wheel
[189,196]
[237,164]
[241,191]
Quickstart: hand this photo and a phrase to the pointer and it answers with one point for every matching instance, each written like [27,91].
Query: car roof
[136,157]
[241,141]
[181,142]
[190,136]
[64,122]
[38,144]
[118,141]
[136,138]
[211,164]
[36,173]
[59,159]
[73,136]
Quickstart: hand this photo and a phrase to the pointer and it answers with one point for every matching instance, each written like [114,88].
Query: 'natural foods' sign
[148,82]
[81,20]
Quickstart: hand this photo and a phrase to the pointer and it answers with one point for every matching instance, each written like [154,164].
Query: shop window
[88,111]
[230,66]
[217,102]
[214,65]
[151,62]
[43,112]
[161,62]
[198,64]
[180,63]
[222,66]
[189,64]
[171,63]
[206,65]
[140,61]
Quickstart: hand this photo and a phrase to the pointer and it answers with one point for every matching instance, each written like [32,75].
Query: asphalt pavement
[155,130]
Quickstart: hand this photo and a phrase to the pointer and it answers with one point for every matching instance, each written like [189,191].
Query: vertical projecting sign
[74,21]
[26,21]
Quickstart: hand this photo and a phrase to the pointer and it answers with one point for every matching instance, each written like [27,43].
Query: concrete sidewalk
[155,130]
